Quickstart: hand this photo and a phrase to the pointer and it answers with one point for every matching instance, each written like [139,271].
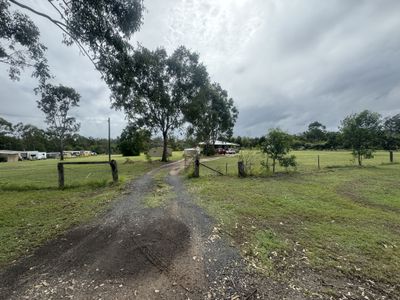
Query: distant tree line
[363,133]
[368,127]
[27,137]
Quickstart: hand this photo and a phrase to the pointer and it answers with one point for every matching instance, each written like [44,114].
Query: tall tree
[5,127]
[277,144]
[157,87]
[56,102]
[361,132]
[316,132]
[212,114]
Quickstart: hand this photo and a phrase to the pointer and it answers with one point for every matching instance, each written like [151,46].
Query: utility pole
[109,140]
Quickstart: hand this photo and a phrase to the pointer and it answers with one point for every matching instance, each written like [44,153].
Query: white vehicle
[230,151]
[41,155]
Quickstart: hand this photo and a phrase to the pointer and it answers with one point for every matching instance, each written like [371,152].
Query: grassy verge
[343,221]
[33,210]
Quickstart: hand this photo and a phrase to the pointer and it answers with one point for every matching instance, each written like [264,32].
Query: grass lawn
[33,209]
[341,220]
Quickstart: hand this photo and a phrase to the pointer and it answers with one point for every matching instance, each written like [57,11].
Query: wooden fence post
[241,171]
[391,156]
[319,166]
[114,170]
[196,172]
[60,168]
[226,169]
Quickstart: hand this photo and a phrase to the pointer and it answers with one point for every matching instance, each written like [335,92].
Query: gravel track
[175,251]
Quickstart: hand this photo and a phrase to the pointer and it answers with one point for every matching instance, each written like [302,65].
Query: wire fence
[37,176]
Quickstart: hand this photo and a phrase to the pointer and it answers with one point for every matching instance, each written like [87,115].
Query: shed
[9,156]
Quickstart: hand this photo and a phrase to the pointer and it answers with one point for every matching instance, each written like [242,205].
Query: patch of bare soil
[134,252]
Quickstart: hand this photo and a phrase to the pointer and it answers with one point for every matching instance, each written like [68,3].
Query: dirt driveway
[134,252]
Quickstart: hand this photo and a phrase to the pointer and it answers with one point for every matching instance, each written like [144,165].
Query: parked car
[221,151]
[230,151]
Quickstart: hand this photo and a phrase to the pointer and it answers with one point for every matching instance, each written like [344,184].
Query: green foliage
[134,140]
[289,161]
[5,127]
[277,144]
[159,87]
[100,29]
[55,102]
[217,111]
[316,132]
[20,46]
[391,133]
[361,132]
[209,150]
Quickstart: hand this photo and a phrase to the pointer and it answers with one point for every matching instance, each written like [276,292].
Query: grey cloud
[286,63]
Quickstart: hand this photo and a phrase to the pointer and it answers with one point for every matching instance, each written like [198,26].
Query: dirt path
[134,252]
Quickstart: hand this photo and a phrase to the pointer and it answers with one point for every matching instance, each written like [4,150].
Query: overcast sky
[286,63]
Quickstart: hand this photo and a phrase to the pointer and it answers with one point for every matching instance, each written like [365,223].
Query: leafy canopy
[156,87]
[391,133]
[277,144]
[56,102]
[19,44]
[361,132]
[99,28]
[133,140]
[211,114]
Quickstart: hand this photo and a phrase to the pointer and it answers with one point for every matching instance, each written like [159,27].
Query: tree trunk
[165,147]
[391,156]
[273,165]
[359,159]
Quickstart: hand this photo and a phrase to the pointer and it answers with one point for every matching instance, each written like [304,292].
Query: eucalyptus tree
[19,44]
[211,114]
[56,102]
[156,87]
[100,29]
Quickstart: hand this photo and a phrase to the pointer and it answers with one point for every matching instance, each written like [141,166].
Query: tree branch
[60,25]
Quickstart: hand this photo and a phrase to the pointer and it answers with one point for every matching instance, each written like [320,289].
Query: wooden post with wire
[60,168]
[196,172]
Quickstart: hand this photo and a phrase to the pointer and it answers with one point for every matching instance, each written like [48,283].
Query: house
[220,144]
[9,156]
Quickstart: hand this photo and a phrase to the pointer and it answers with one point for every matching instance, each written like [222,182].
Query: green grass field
[346,218]
[33,209]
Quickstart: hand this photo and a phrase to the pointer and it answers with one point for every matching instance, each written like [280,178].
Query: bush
[288,161]
[209,150]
